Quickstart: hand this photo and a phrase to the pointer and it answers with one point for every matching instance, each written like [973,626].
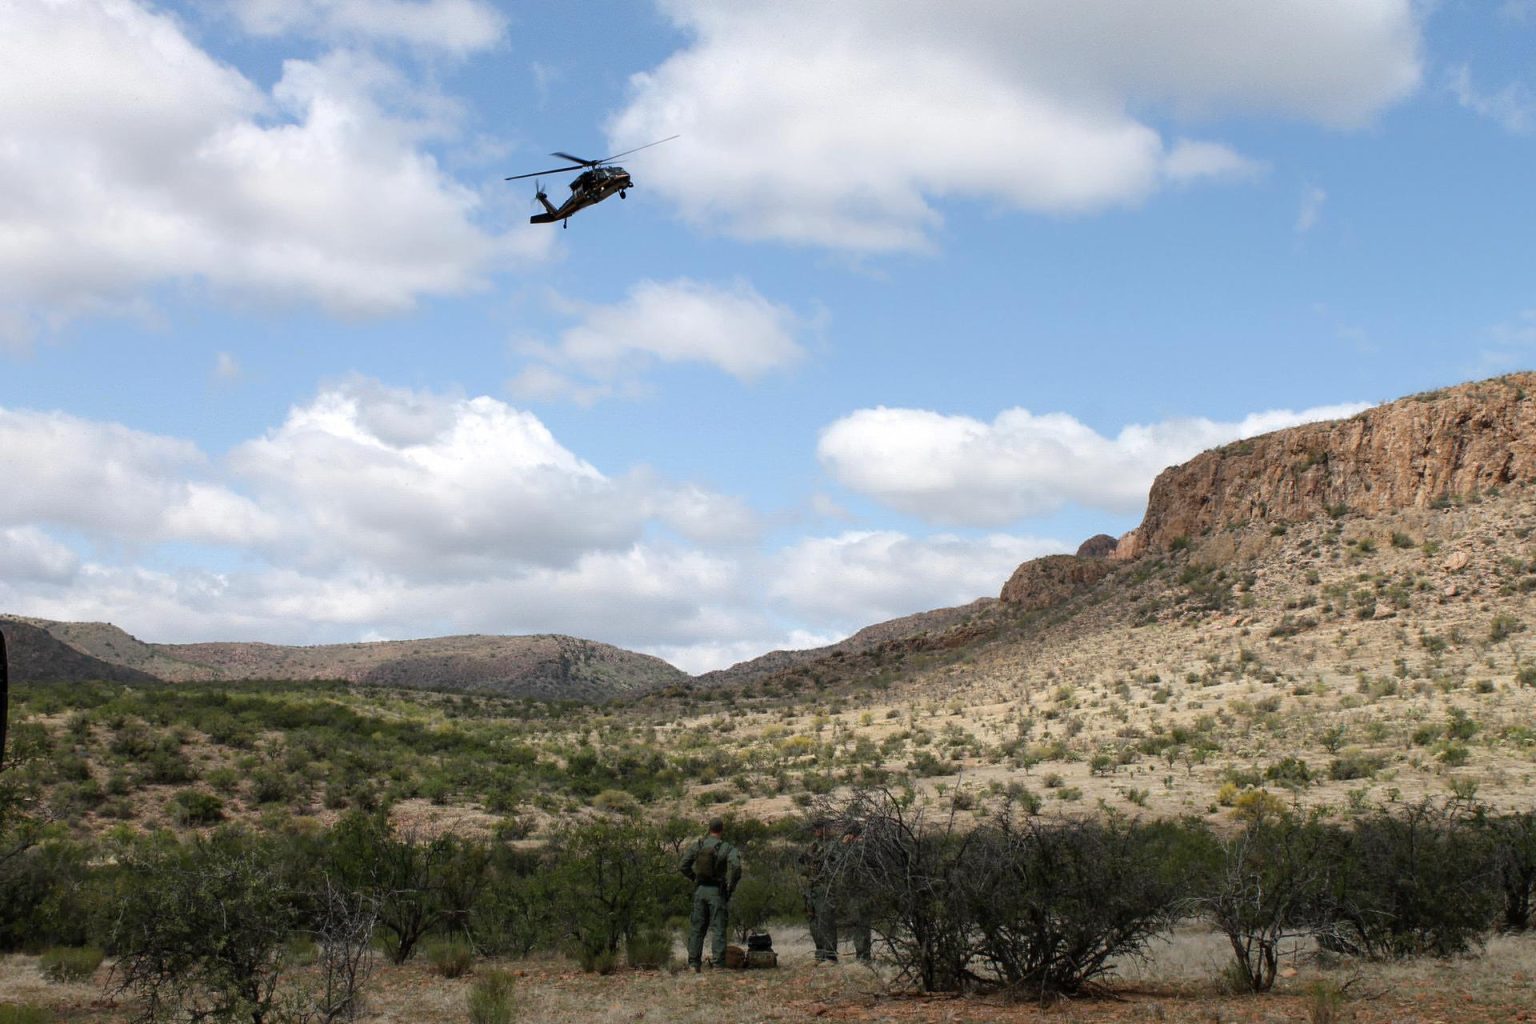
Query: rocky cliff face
[1412,453]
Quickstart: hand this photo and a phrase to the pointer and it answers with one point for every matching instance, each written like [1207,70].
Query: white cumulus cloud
[112,482]
[129,157]
[28,555]
[732,328]
[839,124]
[862,577]
[959,470]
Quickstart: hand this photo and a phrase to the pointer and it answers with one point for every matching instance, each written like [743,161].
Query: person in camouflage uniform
[714,867]
[818,869]
[832,893]
[853,898]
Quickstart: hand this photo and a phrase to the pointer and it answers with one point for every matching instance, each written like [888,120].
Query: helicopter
[601,179]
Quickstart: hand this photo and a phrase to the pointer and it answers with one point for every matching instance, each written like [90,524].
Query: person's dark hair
[716,825]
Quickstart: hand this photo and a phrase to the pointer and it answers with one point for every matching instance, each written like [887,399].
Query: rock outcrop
[1413,453]
[1100,545]
[1042,582]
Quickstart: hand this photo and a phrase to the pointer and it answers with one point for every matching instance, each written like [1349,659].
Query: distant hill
[544,666]
[34,654]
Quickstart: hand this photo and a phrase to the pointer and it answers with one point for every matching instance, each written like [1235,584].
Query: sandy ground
[1177,983]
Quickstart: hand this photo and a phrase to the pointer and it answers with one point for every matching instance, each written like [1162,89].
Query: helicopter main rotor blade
[552,170]
[615,156]
[579,160]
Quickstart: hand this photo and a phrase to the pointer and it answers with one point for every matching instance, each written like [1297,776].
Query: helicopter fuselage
[590,187]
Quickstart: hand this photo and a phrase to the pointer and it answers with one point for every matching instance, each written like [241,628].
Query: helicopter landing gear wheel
[623,195]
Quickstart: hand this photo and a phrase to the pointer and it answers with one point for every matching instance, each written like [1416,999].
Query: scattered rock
[1458,561]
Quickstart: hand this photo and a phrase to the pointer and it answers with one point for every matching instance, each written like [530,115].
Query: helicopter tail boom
[550,214]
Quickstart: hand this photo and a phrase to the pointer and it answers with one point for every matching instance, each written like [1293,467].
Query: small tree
[1268,890]
[1514,852]
[201,931]
[1421,881]
[343,934]
[415,884]
[607,877]
[1056,905]
[908,872]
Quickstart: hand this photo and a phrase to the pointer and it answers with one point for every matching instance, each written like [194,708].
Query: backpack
[709,863]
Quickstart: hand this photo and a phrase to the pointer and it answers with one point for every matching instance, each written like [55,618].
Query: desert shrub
[271,786]
[451,957]
[616,801]
[769,890]
[908,869]
[1056,905]
[649,948]
[1513,837]
[490,998]
[1043,909]
[608,880]
[70,963]
[1290,771]
[1503,627]
[1257,805]
[1355,764]
[1325,1002]
[194,807]
[1269,889]
[416,884]
[44,897]
[514,913]
[166,765]
[201,929]
[1420,881]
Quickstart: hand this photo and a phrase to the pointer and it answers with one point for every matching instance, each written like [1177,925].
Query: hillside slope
[1338,612]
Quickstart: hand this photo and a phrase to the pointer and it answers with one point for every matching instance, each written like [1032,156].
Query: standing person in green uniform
[854,898]
[714,867]
[819,869]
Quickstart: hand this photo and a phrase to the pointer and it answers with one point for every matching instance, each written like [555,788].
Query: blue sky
[922,290]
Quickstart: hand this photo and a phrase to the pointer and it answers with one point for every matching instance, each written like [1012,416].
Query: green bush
[490,998]
[610,880]
[70,963]
[200,929]
[1422,881]
[1267,892]
[194,807]
[450,958]
[649,948]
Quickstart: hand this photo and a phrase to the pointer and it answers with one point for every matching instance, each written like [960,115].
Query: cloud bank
[376,511]
[839,124]
[961,471]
